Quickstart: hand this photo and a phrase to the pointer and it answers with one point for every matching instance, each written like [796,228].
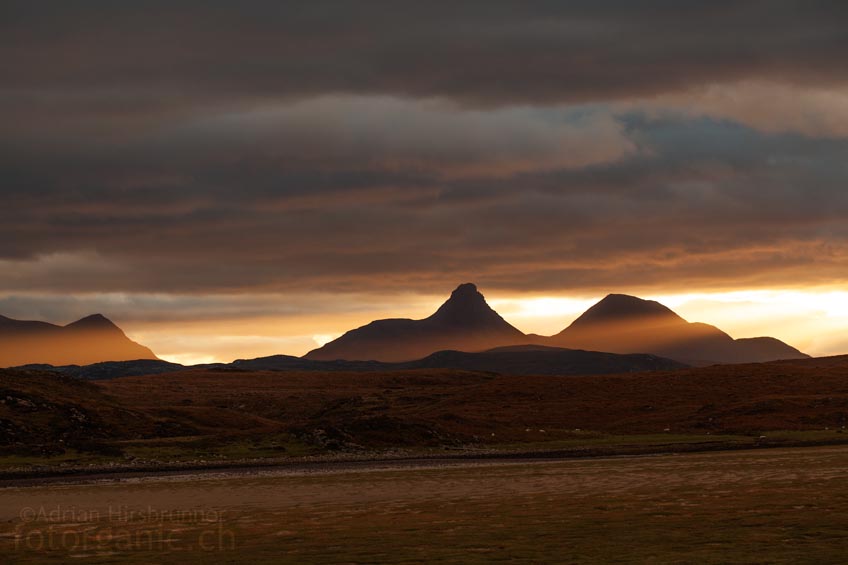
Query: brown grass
[791,395]
[420,409]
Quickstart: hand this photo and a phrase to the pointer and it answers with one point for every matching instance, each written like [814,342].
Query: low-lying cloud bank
[553,148]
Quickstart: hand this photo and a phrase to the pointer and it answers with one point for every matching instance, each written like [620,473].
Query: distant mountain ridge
[89,340]
[464,324]
[517,360]
[543,360]
[619,323]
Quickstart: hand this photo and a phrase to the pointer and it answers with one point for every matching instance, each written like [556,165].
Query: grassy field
[769,506]
[283,450]
[198,416]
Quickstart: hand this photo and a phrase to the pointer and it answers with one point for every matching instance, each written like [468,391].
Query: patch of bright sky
[815,321]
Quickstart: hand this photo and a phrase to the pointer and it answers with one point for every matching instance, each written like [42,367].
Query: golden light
[813,320]
[322,339]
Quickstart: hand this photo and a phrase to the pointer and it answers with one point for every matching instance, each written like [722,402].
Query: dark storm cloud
[700,200]
[268,146]
[110,56]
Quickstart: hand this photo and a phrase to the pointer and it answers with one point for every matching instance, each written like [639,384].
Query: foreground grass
[770,506]
[171,450]
[587,439]
[282,447]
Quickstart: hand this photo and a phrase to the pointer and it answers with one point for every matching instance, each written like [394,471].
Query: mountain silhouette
[544,360]
[626,324]
[465,322]
[617,324]
[507,360]
[90,340]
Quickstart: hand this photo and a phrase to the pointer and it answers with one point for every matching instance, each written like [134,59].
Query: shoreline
[322,464]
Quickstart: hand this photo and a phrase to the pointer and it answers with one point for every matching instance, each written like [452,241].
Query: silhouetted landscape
[618,334]
[617,324]
[463,387]
[89,340]
[348,397]
[465,323]
[244,248]
[626,324]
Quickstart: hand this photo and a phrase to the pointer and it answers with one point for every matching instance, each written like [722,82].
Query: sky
[235,179]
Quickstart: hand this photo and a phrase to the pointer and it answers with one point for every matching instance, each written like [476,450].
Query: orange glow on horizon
[815,321]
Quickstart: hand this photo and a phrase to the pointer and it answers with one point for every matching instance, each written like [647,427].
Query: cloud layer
[214,148]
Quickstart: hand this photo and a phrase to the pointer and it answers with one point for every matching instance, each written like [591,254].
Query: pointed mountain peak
[94,322]
[465,322]
[466,295]
[467,308]
[466,289]
[620,307]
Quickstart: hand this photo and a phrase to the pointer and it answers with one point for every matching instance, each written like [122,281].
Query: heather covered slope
[43,412]
[108,369]
[90,340]
[626,324]
[808,394]
[465,322]
[47,413]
